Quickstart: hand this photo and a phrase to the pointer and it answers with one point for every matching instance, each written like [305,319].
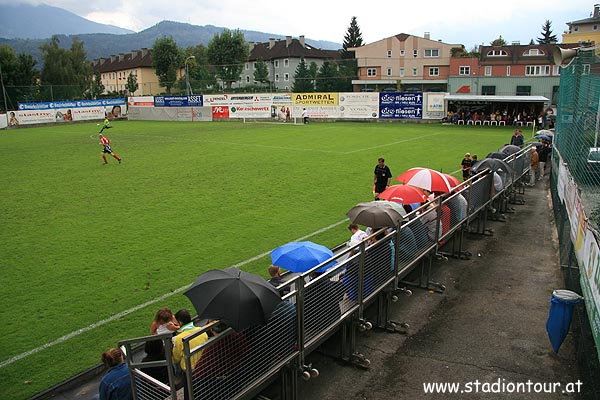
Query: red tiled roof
[261,51]
[135,59]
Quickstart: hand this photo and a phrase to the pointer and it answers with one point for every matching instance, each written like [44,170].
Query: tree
[547,36]
[353,38]
[261,73]
[228,52]
[303,82]
[166,60]
[499,42]
[328,78]
[202,76]
[66,70]
[97,87]
[132,85]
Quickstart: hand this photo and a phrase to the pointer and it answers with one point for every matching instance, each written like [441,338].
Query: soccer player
[105,142]
[105,124]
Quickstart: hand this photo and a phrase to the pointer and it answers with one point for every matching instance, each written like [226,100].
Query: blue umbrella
[301,256]
[543,137]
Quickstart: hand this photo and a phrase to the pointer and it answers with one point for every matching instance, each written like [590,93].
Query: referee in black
[383,177]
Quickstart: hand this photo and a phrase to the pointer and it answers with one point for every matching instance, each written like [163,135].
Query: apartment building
[404,62]
[282,58]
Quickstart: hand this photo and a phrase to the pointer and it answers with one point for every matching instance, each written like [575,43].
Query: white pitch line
[95,325]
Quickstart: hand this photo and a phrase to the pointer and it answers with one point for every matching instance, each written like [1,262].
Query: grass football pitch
[89,252]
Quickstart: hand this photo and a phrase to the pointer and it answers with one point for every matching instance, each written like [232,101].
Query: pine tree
[303,81]
[547,36]
[353,38]
[499,42]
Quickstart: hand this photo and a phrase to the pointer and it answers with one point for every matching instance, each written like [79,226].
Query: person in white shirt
[358,235]
[304,116]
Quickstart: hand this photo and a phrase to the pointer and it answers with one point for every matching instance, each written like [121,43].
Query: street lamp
[188,89]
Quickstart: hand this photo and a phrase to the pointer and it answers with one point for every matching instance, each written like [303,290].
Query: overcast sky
[468,22]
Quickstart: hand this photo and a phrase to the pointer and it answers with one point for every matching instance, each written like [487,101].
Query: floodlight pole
[188,89]
[3,90]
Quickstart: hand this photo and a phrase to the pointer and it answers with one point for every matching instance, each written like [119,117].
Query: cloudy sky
[468,22]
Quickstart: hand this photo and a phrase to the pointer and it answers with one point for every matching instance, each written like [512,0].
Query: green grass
[81,242]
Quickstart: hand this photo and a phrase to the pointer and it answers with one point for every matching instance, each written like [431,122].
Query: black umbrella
[234,296]
[497,155]
[509,149]
[494,164]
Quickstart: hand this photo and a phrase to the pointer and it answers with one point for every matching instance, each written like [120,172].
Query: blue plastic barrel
[559,318]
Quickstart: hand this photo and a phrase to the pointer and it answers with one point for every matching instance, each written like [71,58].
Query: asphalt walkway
[485,333]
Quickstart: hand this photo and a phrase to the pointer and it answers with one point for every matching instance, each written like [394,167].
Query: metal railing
[238,365]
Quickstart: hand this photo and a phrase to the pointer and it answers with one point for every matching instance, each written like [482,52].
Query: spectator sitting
[276,279]
[164,321]
[179,360]
[116,384]
[358,235]
[155,351]
[184,320]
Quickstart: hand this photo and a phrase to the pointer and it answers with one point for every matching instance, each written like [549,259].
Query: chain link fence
[576,141]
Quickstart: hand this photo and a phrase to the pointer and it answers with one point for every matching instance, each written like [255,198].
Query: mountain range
[25,27]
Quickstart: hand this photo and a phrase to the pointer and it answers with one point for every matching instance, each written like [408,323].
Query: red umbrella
[425,178]
[403,194]
[454,182]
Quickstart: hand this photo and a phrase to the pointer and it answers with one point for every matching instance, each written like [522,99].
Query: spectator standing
[304,116]
[517,138]
[382,178]
[164,321]
[543,153]
[534,165]
[465,165]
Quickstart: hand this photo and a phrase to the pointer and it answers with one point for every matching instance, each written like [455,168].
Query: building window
[488,90]
[401,53]
[537,70]
[523,90]
[556,70]
[595,27]
[389,54]
[276,77]
[508,70]
[286,77]
[247,66]
[496,53]
[534,52]
[371,72]
[488,70]
[415,72]
[401,71]
[432,52]
[415,52]
[586,69]
[247,79]
[389,72]
[276,63]
[466,70]
[286,63]
[434,71]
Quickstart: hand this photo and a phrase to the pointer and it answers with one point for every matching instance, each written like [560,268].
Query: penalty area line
[98,324]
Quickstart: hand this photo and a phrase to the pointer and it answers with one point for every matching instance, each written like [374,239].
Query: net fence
[577,126]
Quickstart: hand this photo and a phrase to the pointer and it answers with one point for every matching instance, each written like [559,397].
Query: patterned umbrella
[426,178]
[404,194]
[377,214]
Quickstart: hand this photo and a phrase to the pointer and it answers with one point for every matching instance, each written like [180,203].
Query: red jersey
[105,141]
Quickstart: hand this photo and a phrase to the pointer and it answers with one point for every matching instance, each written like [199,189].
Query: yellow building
[584,30]
[115,70]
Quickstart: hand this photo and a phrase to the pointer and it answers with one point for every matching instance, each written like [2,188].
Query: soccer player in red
[105,142]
